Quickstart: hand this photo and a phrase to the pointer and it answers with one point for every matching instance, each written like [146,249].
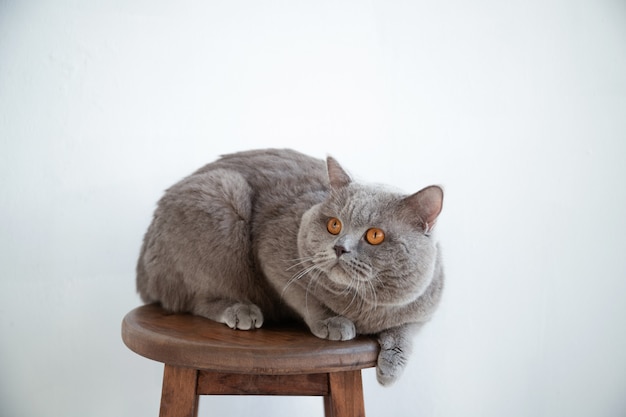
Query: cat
[270,235]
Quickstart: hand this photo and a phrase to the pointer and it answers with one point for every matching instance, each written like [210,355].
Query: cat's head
[370,240]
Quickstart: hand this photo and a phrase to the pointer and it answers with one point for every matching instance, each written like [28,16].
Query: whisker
[322,265]
[354,294]
[300,261]
[374,296]
[314,277]
[296,277]
[318,261]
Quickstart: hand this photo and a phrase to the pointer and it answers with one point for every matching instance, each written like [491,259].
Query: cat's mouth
[348,272]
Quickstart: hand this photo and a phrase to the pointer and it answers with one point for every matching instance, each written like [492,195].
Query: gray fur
[244,239]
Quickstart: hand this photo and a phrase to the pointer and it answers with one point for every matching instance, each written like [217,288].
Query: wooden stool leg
[346,395]
[179,398]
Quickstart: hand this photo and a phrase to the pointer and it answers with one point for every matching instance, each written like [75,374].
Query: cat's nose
[340,250]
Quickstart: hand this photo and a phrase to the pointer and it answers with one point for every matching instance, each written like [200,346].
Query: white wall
[518,108]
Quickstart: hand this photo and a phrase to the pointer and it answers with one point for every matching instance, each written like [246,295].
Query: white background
[518,108]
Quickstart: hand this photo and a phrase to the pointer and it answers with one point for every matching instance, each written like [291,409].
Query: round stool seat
[185,340]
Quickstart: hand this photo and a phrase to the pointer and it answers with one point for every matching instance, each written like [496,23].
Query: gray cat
[275,235]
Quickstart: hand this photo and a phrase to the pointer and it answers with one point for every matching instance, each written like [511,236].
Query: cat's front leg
[322,322]
[333,328]
[395,348]
[235,314]
[242,316]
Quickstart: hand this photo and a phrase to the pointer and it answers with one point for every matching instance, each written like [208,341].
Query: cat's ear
[336,175]
[425,206]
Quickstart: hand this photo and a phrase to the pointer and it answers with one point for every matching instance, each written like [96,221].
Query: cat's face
[369,241]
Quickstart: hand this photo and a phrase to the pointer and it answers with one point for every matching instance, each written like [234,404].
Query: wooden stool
[203,357]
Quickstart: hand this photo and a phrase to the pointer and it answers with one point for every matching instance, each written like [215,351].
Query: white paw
[243,316]
[334,328]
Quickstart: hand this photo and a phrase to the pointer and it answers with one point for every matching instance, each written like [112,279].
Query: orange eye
[333,226]
[374,236]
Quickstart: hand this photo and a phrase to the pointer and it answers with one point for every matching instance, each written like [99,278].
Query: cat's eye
[333,226]
[375,236]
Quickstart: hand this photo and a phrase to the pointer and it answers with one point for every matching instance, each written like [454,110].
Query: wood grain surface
[185,340]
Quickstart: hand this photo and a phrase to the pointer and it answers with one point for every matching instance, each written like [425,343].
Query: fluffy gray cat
[276,235]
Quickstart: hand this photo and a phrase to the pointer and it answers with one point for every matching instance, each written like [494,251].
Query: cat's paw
[243,316]
[334,328]
[392,359]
